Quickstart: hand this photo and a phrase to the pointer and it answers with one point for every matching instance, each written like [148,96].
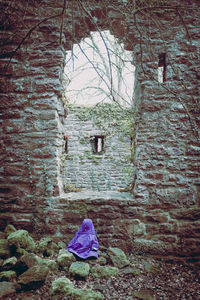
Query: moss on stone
[7,275]
[65,258]
[118,257]
[4,248]
[61,287]
[9,263]
[9,229]
[79,269]
[34,275]
[21,239]
[82,294]
[104,271]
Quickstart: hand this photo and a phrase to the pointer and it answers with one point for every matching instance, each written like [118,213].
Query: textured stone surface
[118,257]
[79,269]
[83,294]
[33,276]
[166,179]
[61,287]
[104,271]
[65,258]
[7,275]
[28,260]
[21,239]
[7,288]
[9,263]
[111,170]
[4,248]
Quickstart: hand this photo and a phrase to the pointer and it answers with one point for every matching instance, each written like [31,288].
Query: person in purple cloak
[85,243]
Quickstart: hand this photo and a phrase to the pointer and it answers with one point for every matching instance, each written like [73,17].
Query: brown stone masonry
[162,213]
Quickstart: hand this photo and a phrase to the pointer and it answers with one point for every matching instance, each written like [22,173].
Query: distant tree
[113,74]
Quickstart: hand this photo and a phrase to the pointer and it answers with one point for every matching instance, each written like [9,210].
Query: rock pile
[25,265]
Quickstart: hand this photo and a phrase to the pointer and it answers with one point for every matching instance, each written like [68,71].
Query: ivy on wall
[110,118]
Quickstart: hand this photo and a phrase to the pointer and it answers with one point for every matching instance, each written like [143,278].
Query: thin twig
[29,33]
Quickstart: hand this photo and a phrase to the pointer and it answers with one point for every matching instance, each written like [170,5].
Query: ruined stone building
[96,159]
[161,213]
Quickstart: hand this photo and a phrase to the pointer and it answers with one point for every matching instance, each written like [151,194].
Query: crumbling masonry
[161,216]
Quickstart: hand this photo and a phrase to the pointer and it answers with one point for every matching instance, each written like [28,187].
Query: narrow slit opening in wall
[66,144]
[162,68]
[99,144]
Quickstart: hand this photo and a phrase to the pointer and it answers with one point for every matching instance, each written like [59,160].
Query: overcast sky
[83,85]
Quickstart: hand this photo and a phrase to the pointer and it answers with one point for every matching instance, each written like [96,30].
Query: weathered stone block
[21,239]
[79,269]
[65,258]
[104,271]
[61,287]
[118,257]
[4,248]
[7,289]
[34,276]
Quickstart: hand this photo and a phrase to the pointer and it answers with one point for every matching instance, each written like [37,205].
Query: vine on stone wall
[108,117]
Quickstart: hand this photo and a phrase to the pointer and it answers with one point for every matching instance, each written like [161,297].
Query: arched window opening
[99,84]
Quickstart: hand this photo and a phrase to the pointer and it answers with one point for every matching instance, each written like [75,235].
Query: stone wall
[83,169]
[122,221]
[166,180]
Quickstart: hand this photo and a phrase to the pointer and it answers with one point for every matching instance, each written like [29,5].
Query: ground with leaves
[167,280]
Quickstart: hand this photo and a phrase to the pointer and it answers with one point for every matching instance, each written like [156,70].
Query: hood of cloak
[85,243]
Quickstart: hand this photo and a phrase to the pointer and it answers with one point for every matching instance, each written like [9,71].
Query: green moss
[104,271]
[70,188]
[109,117]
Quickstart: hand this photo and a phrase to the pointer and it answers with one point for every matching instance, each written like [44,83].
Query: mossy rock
[65,258]
[29,260]
[21,239]
[4,248]
[104,271]
[33,277]
[81,294]
[79,269]
[20,252]
[61,287]
[7,275]
[25,262]
[131,271]
[100,261]
[47,247]
[51,264]
[43,245]
[118,257]
[62,245]
[9,263]
[9,229]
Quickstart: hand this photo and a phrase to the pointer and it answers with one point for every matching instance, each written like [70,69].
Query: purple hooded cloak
[85,243]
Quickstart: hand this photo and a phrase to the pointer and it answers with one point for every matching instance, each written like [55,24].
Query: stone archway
[166,152]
